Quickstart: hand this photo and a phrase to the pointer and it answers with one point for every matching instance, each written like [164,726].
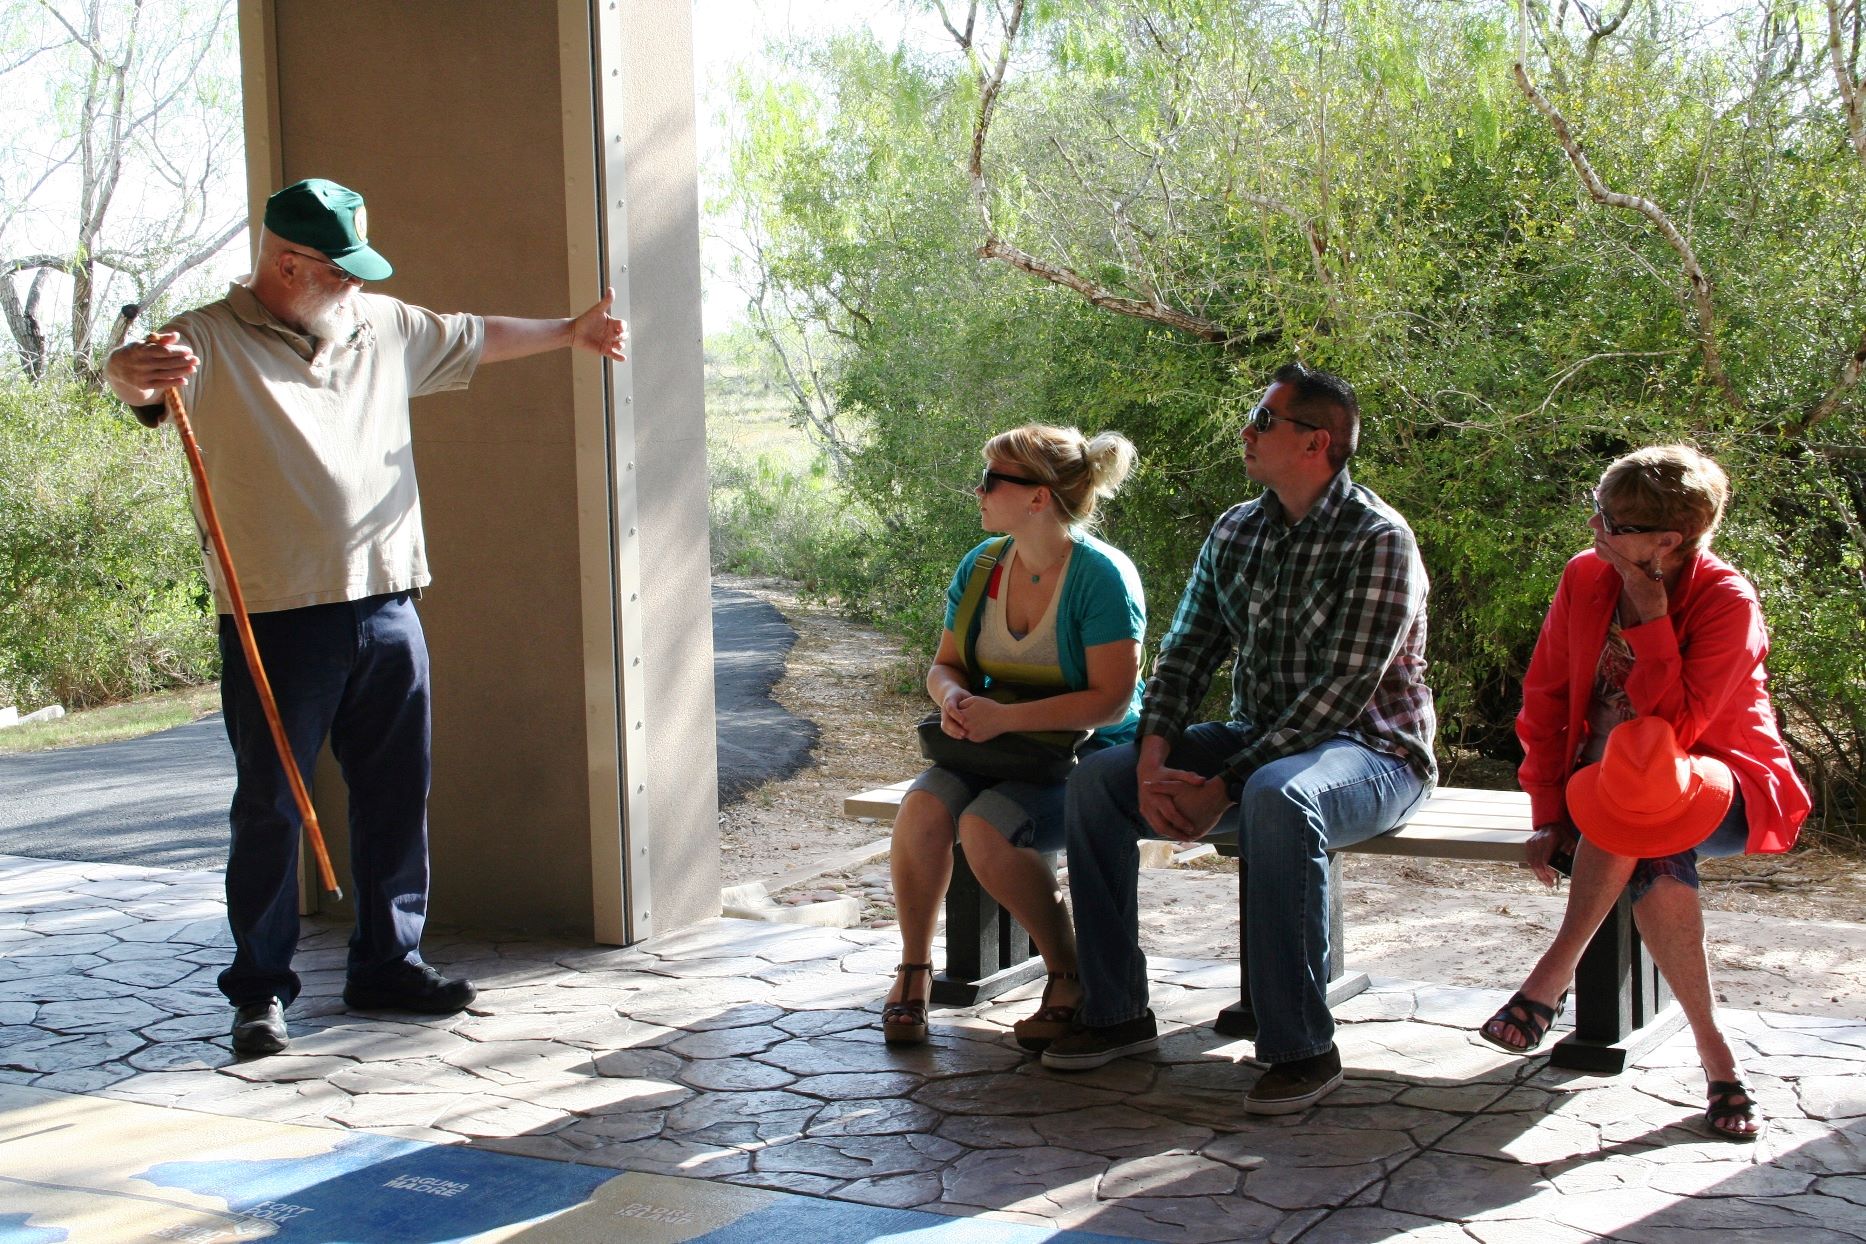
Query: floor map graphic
[85,1170]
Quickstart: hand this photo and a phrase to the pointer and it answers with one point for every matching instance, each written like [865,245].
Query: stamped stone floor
[747,1053]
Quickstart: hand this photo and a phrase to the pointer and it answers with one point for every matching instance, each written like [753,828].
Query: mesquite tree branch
[1853,108]
[1846,382]
[962,37]
[1101,296]
[1703,307]
[1852,102]
[120,328]
[991,84]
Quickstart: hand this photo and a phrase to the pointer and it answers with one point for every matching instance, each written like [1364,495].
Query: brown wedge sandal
[1050,1023]
[905,1022]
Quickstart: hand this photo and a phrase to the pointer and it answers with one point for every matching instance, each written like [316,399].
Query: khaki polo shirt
[308,448]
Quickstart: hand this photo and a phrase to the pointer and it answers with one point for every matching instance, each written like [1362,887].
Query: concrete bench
[1621,1005]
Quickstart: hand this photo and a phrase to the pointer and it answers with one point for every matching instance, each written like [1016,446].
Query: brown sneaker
[1086,1047]
[1289,1087]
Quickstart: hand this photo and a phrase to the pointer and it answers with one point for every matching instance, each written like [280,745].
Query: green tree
[1172,197]
[101,588]
[120,166]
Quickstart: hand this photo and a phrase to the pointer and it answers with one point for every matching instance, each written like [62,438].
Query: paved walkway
[161,800]
[744,1056]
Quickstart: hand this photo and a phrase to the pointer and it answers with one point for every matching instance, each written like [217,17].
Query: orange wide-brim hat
[1648,797]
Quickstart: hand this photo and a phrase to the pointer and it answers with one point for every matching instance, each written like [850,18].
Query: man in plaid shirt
[1316,591]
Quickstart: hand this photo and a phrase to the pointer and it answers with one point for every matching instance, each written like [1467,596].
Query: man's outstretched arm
[595,330]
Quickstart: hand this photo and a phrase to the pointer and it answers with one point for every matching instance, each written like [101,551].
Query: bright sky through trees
[728,34]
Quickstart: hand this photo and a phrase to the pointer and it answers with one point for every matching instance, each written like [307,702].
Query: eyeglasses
[342,273]
[1620,529]
[1263,418]
[990,477]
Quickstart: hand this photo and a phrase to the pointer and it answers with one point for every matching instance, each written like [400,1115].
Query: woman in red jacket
[1650,624]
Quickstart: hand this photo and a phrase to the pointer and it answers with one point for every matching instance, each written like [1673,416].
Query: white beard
[332,322]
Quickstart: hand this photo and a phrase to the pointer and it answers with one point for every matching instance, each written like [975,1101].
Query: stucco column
[516,156]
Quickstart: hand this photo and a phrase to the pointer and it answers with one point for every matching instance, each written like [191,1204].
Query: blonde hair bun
[1078,471]
[1110,461]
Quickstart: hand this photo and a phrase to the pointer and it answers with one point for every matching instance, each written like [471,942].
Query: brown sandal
[1050,1023]
[905,1022]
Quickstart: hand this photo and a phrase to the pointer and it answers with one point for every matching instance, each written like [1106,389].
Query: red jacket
[1699,667]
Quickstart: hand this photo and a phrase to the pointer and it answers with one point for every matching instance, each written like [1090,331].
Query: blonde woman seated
[1063,611]
[1650,663]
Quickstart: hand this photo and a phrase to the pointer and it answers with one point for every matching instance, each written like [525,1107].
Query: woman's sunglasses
[1620,529]
[990,477]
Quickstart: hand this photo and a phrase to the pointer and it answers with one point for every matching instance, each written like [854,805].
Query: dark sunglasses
[1263,418]
[1620,529]
[990,477]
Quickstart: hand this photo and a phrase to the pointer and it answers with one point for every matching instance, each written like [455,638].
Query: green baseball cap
[330,218]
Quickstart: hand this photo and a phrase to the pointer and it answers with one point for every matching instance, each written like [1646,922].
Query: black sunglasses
[1263,418]
[1620,529]
[990,477]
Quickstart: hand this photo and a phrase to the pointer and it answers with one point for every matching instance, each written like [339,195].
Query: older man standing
[298,385]
[1316,591]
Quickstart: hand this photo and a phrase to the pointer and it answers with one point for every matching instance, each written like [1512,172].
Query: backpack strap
[965,617]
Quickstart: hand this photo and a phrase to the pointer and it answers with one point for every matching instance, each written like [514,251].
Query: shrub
[102,594]
[769,517]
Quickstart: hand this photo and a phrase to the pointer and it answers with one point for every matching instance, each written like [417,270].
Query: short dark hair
[1328,401]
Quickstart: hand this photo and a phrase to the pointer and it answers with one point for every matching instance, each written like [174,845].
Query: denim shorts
[1729,838]
[1028,814]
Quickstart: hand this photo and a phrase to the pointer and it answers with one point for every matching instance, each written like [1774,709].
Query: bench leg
[987,952]
[1622,1005]
[1239,1019]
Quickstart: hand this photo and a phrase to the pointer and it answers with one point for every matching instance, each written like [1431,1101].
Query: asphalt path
[161,800]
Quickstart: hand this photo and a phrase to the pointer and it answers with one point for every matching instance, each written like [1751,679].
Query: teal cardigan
[1102,603]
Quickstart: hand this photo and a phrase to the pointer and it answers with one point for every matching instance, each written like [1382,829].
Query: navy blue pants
[356,672]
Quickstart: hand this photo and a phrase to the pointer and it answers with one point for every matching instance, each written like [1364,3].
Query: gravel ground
[1787,933]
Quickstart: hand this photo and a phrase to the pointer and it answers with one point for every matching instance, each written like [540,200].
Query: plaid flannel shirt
[1326,619]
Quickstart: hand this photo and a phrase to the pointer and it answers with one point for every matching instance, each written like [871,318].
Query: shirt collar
[246,305]
[1322,513]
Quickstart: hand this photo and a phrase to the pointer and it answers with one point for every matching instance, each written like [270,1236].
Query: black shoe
[1085,1047]
[259,1028]
[410,987]
[1289,1087]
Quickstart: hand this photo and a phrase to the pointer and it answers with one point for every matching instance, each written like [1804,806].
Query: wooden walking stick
[171,398]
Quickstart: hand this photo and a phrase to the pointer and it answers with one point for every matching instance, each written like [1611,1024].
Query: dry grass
[113,722]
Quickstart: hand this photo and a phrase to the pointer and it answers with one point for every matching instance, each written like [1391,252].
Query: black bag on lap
[1024,755]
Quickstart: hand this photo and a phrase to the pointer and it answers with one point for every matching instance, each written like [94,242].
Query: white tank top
[1034,659]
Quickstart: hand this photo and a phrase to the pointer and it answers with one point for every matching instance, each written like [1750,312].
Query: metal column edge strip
[608,64]
[595,483]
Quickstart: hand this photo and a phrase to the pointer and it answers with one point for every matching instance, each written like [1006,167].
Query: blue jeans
[357,672]
[1291,813]
[1028,814]
[1731,837]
